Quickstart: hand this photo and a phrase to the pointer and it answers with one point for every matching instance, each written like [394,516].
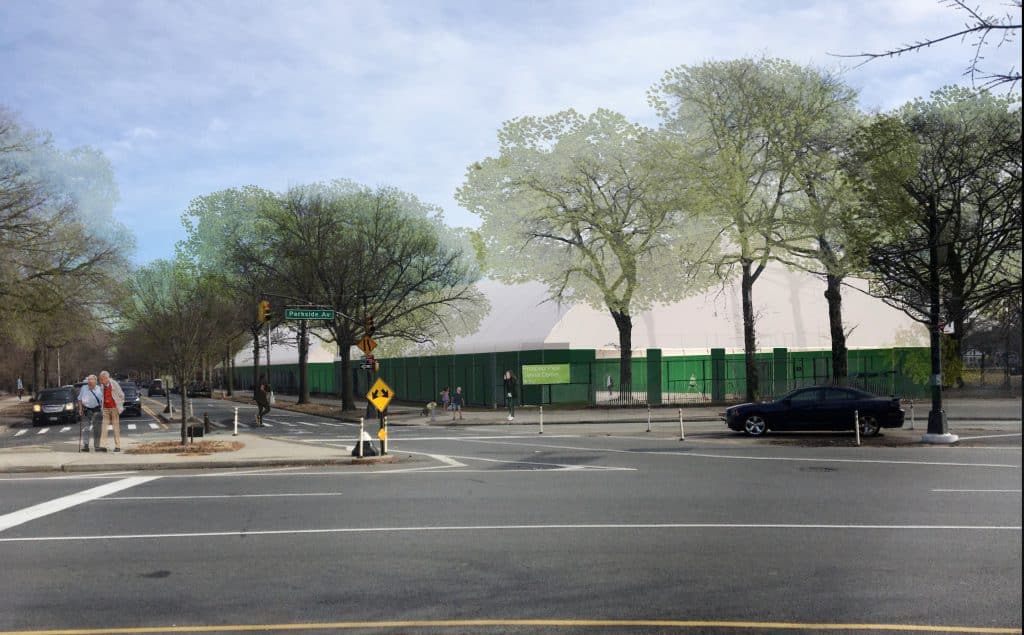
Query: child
[457,402]
[445,397]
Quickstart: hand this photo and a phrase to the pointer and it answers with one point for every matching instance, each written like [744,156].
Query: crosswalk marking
[153,426]
[65,428]
[20,432]
[43,431]
[131,426]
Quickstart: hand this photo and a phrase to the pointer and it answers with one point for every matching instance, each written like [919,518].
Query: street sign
[366,344]
[309,314]
[380,394]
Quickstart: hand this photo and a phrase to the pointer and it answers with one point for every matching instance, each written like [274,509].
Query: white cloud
[196,96]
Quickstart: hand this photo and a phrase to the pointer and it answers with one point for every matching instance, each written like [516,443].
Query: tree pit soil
[197,448]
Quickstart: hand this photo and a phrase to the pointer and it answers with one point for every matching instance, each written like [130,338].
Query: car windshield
[127,385]
[55,395]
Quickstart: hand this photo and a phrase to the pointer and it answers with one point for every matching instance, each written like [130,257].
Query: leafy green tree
[227,236]
[945,177]
[584,205]
[380,253]
[748,125]
[171,305]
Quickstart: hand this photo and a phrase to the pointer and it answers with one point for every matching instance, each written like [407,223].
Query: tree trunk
[833,287]
[348,401]
[749,336]
[184,402]
[46,366]
[303,362]
[229,370]
[255,358]
[624,323]
[37,377]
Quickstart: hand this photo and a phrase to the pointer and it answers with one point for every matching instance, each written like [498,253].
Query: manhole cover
[817,469]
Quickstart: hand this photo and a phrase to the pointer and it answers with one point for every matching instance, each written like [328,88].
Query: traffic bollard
[235,433]
[648,418]
[911,414]
[856,425]
[361,433]
[191,410]
[384,439]
[682,433]
[541,420]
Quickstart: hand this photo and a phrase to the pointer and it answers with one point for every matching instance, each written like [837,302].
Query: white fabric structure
[790,307]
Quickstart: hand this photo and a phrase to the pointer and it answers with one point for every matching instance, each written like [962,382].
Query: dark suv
[55,406]
[156,388]
[132,399]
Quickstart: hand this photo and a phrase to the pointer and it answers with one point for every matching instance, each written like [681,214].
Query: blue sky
[186,98]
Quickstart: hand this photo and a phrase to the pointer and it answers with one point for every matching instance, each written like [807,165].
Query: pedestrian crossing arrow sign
[366,344]
[380,394]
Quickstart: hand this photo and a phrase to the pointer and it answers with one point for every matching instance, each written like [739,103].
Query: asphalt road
[577,530]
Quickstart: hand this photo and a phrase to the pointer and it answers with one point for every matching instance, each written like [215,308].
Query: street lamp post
[938,430]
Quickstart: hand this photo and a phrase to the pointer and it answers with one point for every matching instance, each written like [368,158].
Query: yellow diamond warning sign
[380,394]
[367,344]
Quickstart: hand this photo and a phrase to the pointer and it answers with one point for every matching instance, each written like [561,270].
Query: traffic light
[263,311]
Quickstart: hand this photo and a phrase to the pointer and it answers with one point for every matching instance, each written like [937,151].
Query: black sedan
[55,406]
[817,408]
[132,399]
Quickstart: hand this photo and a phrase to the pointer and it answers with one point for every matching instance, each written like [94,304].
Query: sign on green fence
[537,374]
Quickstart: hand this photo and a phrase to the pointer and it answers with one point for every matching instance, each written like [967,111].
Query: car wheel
[755,425]
[868,426]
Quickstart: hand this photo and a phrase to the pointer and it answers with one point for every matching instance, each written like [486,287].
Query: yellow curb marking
[554,623]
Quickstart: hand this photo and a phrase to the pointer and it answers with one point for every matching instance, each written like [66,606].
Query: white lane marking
[440,458]
[393,435]
[43,431]
[306,423]
[991,436]
[752,458]
[571,527]
[171,498]
[334,425]
[65,428]
[153,426]
[131,426]
[20,432]
[979,490]
[21,516]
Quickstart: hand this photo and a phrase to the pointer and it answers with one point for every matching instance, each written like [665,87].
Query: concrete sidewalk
[257,452]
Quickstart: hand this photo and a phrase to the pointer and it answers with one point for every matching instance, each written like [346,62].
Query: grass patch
[198,448]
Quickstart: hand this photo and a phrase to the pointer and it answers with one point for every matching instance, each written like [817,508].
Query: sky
[187,98]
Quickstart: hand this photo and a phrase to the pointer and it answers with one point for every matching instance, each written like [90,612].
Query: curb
[202,465]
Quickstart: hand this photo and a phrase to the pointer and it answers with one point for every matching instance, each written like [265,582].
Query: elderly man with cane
[90,410]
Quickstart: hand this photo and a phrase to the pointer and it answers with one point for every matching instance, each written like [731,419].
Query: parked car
[55,406]
[199,389]
[817,408]
[156,389]
[132,399]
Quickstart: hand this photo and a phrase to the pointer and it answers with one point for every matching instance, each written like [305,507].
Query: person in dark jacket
[262,401]
[511,384]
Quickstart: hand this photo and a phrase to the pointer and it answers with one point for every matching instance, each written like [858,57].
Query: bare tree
[986,31]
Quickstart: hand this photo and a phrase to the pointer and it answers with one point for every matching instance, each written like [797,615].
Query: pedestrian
[457,403]
[21,389]
[511,384]
[446,396]
[113,403]
[609,384]
[90,410]
[262,401]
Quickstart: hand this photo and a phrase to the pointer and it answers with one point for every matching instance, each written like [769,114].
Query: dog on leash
[427,408]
